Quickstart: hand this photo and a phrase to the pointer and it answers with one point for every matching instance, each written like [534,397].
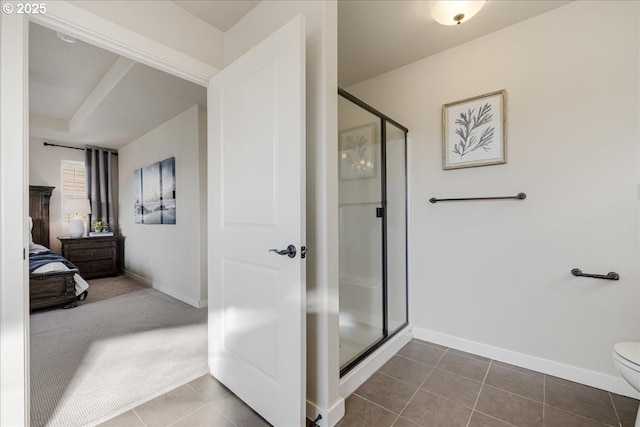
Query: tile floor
[429,385]
[423,385]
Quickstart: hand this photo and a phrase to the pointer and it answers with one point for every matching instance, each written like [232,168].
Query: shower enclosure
[372,188]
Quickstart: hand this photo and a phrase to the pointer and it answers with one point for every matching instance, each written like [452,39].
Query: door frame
[14,158]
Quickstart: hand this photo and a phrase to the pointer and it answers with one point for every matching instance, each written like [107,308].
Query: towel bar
[519,196]
[612,275]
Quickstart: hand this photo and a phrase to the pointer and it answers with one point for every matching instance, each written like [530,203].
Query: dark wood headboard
[39,197]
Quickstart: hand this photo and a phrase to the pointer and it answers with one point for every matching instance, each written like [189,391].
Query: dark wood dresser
[94,256]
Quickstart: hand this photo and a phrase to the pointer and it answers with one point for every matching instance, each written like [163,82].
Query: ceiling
[81,94]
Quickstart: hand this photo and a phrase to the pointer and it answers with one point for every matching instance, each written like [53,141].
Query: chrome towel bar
[519,196]
[612,275]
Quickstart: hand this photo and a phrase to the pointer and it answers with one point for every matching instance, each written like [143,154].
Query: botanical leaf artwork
[355,153]
[469,124]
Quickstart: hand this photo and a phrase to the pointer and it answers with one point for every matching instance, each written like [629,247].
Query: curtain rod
[49,144]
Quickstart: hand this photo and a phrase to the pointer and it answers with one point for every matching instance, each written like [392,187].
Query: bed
[53,280]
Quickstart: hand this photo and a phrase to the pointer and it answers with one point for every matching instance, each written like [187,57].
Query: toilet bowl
[626,358]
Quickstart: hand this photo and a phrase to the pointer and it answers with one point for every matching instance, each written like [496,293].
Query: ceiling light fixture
[66,38]
[454,12]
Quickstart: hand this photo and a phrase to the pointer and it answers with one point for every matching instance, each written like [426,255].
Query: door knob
[290,251]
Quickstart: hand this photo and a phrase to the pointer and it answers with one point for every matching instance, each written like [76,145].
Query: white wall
[322,222]
[168,257]
[495,276]
[44,169]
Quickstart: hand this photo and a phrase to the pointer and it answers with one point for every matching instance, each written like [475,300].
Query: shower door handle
[290,251]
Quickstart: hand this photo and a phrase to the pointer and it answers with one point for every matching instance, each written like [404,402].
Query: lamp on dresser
[79,208]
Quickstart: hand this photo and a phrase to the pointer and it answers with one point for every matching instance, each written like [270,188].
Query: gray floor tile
[471,355]
[554,417]
[406,370]
[479,419]
[509,407]
[170,407]
[234,409]
[205,416]
[452,387]
[580,399]
[427,409]
[208,387]
[468,367]
[430,344]
[387,392]
[523,384]
[128,419]
[421,353]
[403,422]
[627,409]
[362,413]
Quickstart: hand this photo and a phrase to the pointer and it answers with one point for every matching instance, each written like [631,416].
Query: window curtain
[102,184]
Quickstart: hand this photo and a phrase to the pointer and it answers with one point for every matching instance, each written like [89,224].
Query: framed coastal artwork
[473,131]
[154,193]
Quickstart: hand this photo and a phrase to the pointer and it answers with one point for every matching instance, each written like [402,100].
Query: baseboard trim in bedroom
[550,367]
[192,302]
[138,277]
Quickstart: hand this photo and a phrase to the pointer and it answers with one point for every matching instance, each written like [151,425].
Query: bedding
[42,260]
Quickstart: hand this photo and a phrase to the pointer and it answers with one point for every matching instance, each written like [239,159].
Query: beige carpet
[96,360]
[109,287]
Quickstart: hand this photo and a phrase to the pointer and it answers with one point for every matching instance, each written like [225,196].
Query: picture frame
[154,193]
[473,131]
[357,152]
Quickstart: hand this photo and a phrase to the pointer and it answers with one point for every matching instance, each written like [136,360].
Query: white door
[256,190]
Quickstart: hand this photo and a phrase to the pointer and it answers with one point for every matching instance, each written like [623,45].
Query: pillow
[35,248]
[30,229]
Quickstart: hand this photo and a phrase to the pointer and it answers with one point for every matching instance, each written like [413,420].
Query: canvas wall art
[154,193]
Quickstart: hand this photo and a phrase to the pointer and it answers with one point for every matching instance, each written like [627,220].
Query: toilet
[626,357]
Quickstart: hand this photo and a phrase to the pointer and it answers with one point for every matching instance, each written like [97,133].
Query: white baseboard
[138,277]
[572,373]
[330,417]
[358,375]
[170,292]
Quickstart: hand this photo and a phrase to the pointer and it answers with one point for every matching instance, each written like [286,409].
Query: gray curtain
[102,184]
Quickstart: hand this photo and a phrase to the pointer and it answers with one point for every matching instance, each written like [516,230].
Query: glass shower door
[361,230]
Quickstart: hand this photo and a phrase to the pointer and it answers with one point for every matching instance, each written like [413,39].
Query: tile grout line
[210,402]
[486,374]
[420,386]
[615,410]
[544,398]
[187,415]
[139,417]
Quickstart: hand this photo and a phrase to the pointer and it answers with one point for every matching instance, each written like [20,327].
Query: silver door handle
[290,251]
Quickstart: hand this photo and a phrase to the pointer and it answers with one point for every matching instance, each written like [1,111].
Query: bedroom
[147,116]
[569,324]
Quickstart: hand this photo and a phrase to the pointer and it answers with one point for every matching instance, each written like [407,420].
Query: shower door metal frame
[384,119]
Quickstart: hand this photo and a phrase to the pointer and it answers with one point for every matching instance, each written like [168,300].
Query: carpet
[97,360]
[109,287]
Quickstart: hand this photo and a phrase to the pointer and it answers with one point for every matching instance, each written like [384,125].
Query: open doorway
[89,362]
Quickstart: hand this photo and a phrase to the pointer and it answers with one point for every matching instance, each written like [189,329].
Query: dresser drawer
[87,244]
[77,255]
[97,268]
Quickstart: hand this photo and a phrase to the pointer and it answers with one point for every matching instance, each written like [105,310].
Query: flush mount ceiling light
[66,38]
[453,12]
